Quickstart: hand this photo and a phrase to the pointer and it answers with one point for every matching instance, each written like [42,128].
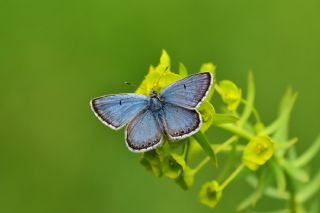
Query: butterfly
[172,113]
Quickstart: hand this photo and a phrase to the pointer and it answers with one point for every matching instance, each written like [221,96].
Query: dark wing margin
[143,133]
[188,92]
[115,111]
[179,122]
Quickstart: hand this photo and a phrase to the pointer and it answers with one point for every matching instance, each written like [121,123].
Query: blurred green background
[55,156]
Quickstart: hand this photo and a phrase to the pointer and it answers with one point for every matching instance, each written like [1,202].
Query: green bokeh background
[55,156]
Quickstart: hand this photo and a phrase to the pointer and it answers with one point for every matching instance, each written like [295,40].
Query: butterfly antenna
[130,84]
[161,75]
[135,86]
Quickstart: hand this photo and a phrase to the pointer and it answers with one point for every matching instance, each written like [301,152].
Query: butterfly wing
[115,111]
[143,133]
[180,122]
[188,92]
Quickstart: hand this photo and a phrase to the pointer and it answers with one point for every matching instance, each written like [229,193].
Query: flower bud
[173,166]
[230,93]
[210,194]
[151,160]
[257,152]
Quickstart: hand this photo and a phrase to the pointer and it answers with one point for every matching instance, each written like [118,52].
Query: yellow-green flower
[151,160]
[185,180]
[208,67]
[230,93]
[173,166]
[257,152]
[183,72]
[207,112]
[210,194]
[158,77]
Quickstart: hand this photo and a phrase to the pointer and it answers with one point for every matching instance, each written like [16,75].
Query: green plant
[265,154]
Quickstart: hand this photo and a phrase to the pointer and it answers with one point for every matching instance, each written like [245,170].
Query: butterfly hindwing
[179,122]
[143,132]
[188,92]
[116,111]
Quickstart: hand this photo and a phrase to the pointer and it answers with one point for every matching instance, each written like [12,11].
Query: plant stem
[227,148]
[225,144]
[216,151]
[237,130]
[232,176]
[254,111]
[186,150]
[201,164]
[292,193]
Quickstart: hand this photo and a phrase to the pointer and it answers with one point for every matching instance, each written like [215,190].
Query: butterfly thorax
[155,103]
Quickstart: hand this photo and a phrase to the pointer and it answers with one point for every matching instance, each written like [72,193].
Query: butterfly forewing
[180,122]
[143,132]
[188,92]
[116,111]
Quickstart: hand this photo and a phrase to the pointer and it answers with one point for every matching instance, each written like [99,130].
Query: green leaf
[195,150]
[279,175]
[247,202]
[256,195]
[250,100]
[224,119]
[235,129]
[281,133]
[307,156]
[183,70]
[295,172]
[310,190]
[280,125]
[271,192]
[231,159]
[274,193]
[287,145]
[202,140]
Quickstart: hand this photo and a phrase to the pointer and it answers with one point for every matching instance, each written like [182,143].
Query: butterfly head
[153,93]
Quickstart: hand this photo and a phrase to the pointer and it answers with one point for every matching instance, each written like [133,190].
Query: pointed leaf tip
[204,143]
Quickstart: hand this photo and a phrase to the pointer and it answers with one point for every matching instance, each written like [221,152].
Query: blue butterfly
[171,113]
